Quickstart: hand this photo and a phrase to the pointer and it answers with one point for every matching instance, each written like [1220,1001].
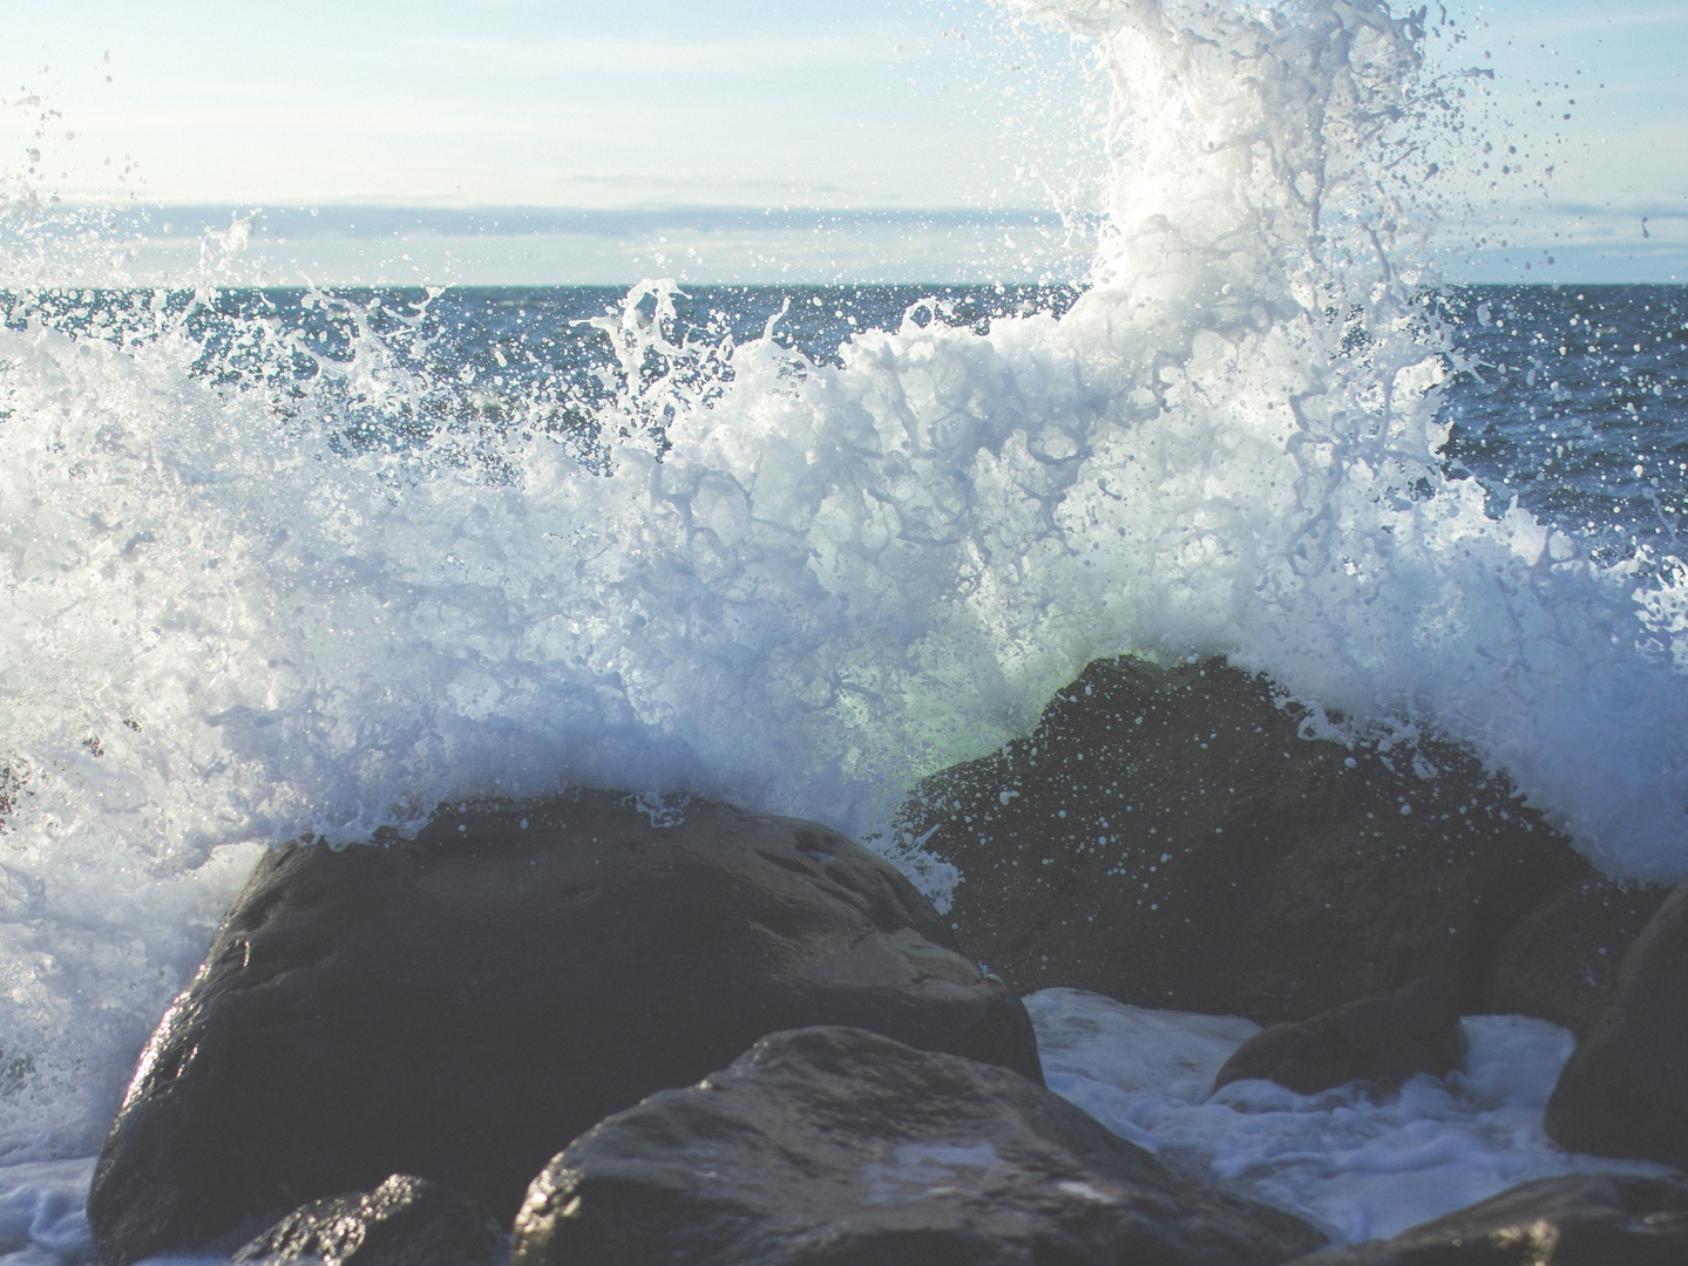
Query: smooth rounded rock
[1624,1091]
[840,1147]
[1169,838]
[461,1006]
[1560,962]
[1382,1041]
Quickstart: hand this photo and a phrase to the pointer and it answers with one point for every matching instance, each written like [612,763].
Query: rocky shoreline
[737,1039]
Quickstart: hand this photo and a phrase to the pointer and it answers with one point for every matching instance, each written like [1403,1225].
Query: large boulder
[1168,838]
[1382,1041]
[1624,1091]
[404,1222]
[460,1006]
[841,1147]
[1582,1220]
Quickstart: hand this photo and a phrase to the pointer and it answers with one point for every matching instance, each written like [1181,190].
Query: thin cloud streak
[1653,211]
[631,55]
[385,221]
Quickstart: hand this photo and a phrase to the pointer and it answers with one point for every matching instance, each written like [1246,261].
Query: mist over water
[283,573]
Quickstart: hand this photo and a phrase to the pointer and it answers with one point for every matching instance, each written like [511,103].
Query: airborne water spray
[1276,448]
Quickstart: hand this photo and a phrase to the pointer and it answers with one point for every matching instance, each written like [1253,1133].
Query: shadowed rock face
[1167,838]
[1584,1220]
[1561,960]
[1625,1090]
[1383,1041]
[461,1006]
[838,1146]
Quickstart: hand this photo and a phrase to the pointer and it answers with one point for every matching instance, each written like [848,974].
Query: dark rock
[1625,1090]
[1383,1041]
[1166,837]
[841,1147]
[1561,960]
[461,1006]
[1585,1220]
[403,1222]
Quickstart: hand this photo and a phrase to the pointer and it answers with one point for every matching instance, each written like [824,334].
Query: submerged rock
[1166,837]
[1593,1220]
[1383,1041]
[404,1222]
[1624,1091]
[461,1006]
[838,1146]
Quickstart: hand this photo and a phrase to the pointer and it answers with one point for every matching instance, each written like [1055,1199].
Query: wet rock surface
[1625,1090]
[839,1146]
[1560,962]
[1579,1221]
[1381,1041]
[1168,838]
[461,1006]
[404,1222]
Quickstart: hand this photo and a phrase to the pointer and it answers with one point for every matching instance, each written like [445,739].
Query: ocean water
[1358,1167]
[289,563]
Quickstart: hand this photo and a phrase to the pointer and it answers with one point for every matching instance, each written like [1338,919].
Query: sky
[551,141]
